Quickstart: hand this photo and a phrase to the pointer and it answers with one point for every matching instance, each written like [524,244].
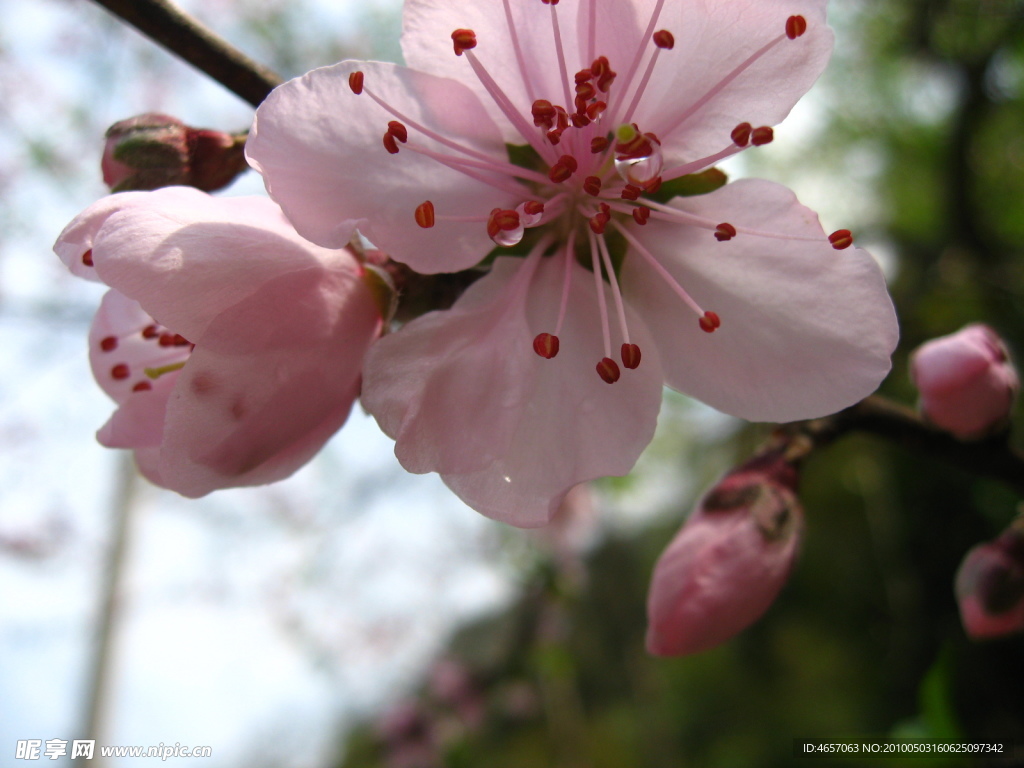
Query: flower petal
[805,330]
[687,102]
[539,429]
[269,382]
[319,147]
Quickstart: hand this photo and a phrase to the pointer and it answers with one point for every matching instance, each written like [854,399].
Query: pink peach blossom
[967,382]
[727,564]
[232,346]
[990,585]
[549,371]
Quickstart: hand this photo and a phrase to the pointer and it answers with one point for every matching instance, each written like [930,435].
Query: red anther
[596,108]
[741,134]
[559,172]
[425,214]
[463,40]
[546,345]
[502,219]
[604,82]
[598,144]
[390,144]
[605,208]
[641,215]
[570,162]
[795,26]
[355,82]
[120,372]
[630,354]
[543,113]
[710,322]
[561,118]
[109,344]
[841,238]
[762,135]
[142,386]
[580,120]
[166,339]
[533,208]
[600,66]
[398,130]
[583,76]
[150,332]
[87,258]
[555,136]
[630,192]
[585,90]
[181,341]
[725,231]
[598,222]
[653,185]
[550,2]
[664,39]
[592,185]
[608,370]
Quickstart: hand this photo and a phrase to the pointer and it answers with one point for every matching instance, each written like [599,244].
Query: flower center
[596,167]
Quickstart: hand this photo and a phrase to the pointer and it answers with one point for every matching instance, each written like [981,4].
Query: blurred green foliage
[865,641]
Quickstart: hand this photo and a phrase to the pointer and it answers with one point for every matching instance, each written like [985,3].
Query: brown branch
[168,25]
[993,457]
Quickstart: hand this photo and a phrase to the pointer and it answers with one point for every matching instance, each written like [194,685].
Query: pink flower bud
[990,585]
[153,150]
[728,562]
[966,380]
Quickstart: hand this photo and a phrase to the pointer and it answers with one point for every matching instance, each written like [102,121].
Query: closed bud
[729,561]
[966,380]
[990,585]
[154,150]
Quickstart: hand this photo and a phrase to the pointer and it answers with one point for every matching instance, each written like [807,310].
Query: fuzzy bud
[966,380]
[729,561]
[990,585]
[153,150]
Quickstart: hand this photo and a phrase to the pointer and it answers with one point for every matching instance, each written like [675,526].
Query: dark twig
[182,35]
[993,457]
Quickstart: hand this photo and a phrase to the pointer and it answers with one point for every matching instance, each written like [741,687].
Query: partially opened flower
[232,346]
[967,382]
[727,564]
[990,585]
[563,134]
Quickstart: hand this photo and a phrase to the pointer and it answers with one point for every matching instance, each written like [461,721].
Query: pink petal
[77,238]
[269,382]
[544,426]
[427,45]
[805,330]
[119,352]
[139,422]
[319,148]
[711,40]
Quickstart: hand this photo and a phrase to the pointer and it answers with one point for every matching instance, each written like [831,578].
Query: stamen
[398,130]
[544,113]
[524,72]
[630,354]
[602,308]
[617,296]
[425,214]
[390,144]
[638,55]
[156,373]
[108,344]
[761,136]
[570,256]
[355,82]
[709,322]
[725,231]
[563,169]
[664,39]
[630,192]
[463,40]
[563,70]
[608,370]
[150,332]
[841,238]
[641,215]
[546,345]
[795,26]
[142,386]
[87,258]
[592,185]
[741,134]
[504,227]
[120,372]
[598,144]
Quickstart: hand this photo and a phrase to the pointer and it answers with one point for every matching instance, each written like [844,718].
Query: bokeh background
[357,616]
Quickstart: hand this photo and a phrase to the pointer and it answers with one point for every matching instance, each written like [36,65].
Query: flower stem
[168,25]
